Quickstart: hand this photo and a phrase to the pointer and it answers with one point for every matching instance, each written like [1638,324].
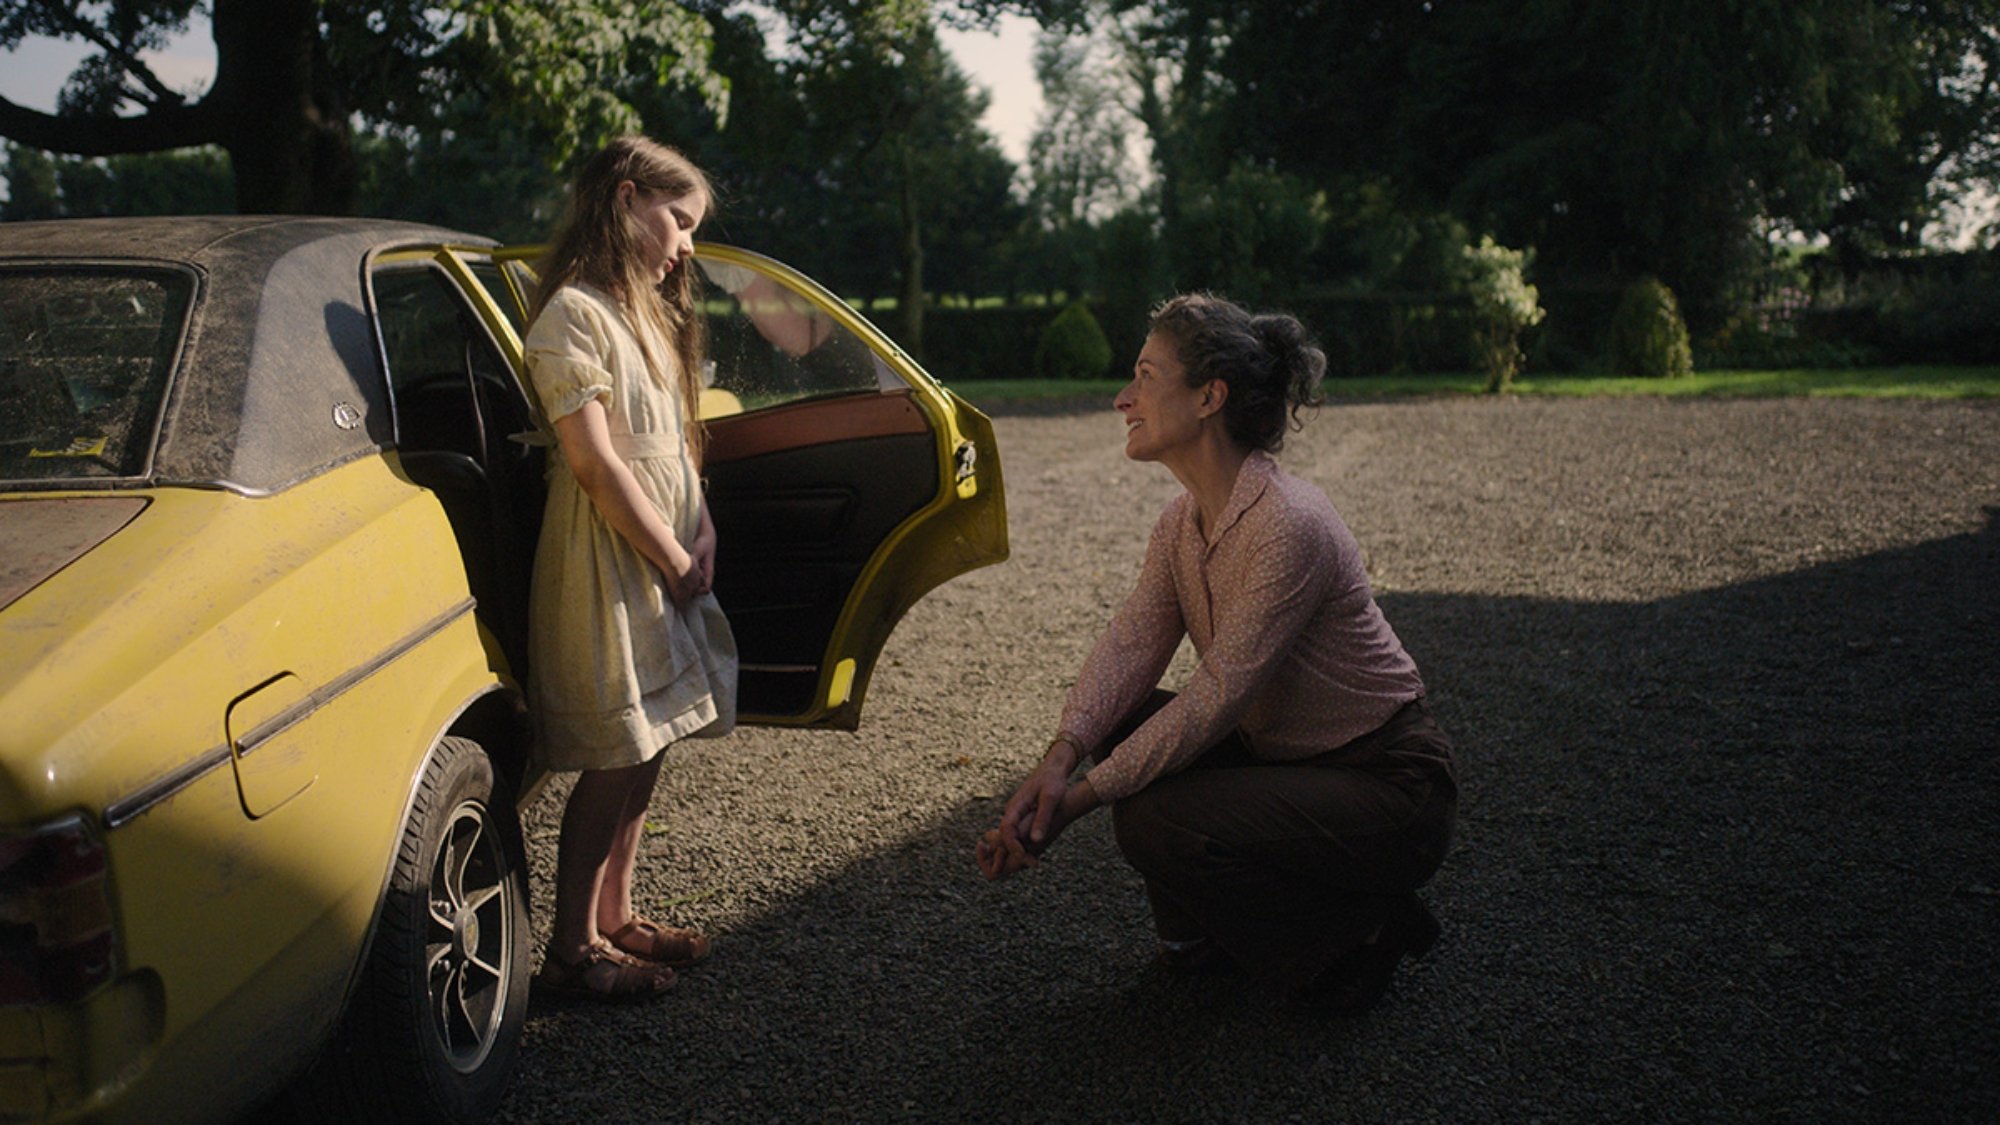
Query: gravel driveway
[1725,681]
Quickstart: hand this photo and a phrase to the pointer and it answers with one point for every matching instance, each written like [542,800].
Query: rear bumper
[63,1061]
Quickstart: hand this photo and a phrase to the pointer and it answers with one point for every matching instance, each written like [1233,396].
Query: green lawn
[1862,382]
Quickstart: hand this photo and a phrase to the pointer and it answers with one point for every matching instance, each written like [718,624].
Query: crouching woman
[1285,805]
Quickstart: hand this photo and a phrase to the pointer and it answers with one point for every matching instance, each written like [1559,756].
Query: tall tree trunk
[281,120]
[911,304]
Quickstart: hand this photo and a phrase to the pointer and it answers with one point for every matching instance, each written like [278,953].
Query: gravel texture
[1725,682]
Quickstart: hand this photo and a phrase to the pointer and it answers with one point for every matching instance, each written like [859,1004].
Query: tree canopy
[858,149]
[1323,145]
[1651,137]
[292,75]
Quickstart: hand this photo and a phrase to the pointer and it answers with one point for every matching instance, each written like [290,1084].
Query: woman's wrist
[1064,741]
[1079,799]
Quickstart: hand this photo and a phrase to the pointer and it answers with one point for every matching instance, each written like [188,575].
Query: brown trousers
[1287,865]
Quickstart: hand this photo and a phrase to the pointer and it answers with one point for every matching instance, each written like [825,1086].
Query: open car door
[844,482]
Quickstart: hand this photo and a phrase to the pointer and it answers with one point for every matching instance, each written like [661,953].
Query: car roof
[278,376]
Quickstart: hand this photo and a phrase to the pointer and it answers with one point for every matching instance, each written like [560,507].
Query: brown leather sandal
[629,978]
[673,946]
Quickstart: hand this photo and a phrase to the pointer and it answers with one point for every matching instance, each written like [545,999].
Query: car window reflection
[769,345]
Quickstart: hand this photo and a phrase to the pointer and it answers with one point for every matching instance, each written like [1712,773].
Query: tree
[860,150]
[291,75]
[1226,221]
[1251,234]
[1078,158]
[32,191]
[190,182]
[1167,51]
[492,179]
[1626,139]
[1503,306]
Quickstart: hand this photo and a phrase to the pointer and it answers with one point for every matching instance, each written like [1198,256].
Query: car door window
[508,286]
[446,374]
[458,410]
[769,345]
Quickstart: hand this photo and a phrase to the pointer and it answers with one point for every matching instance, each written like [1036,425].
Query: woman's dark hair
[1269,360]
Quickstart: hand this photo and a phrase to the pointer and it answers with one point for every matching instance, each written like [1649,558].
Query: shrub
[1648,336]
[1072,346]
[1503,305]
[987,342]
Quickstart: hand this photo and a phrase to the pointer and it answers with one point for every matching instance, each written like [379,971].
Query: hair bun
[1278,332]
[1294,355]
[1269,360]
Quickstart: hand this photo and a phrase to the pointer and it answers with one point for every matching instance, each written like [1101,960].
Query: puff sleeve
[568,353]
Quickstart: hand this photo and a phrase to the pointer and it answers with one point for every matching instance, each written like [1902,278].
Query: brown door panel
[797,522]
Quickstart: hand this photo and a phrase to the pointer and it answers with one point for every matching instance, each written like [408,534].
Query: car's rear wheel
[434,1027]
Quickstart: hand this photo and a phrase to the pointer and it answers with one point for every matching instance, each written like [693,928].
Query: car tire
[433,1029]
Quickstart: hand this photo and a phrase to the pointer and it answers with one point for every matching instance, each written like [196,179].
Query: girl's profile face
[668,223]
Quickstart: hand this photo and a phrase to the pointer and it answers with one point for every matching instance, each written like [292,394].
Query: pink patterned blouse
[1293,650]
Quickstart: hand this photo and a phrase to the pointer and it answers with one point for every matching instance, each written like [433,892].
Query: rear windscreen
[85,354]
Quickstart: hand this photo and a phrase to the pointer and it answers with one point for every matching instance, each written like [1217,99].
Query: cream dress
[617,671]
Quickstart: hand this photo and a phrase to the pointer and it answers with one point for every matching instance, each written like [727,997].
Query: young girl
[629,650]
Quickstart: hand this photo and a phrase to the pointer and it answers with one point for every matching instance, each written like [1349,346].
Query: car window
[452,388]
[504,296]
[85,355]
[770,345]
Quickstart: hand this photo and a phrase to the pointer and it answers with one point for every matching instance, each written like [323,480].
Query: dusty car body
[269,491]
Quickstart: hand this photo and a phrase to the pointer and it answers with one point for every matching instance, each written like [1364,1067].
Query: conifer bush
[1072,346]
[1648,336]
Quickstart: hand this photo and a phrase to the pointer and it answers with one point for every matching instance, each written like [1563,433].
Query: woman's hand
[999,854]
[1034,806]
[1044,805]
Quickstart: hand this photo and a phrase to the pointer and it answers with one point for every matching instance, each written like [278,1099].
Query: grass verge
[1860,382]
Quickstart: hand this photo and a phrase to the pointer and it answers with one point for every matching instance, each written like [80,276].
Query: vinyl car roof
[278,378]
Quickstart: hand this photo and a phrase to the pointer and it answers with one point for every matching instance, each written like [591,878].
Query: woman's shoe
[1416,927]
[1357,980]
[1199,958]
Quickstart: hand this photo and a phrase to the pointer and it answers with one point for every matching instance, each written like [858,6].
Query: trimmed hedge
[983,343]
[1072,346]
[1648,336]
[1362,334]
[1954,321]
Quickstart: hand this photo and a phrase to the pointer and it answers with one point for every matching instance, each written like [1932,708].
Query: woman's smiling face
[1162,413]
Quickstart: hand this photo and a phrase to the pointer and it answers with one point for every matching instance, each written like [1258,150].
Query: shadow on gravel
[1732,853]
[1726,855]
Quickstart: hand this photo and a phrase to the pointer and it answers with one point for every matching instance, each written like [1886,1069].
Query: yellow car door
[844,481]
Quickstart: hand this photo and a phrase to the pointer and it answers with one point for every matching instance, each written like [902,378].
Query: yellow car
[269,490]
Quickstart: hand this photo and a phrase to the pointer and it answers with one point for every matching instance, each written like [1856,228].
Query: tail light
[56,939]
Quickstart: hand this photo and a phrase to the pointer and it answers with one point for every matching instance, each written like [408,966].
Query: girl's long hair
[598,242]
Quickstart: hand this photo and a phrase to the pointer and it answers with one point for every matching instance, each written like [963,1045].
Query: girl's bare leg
[593,823]
[614,893]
